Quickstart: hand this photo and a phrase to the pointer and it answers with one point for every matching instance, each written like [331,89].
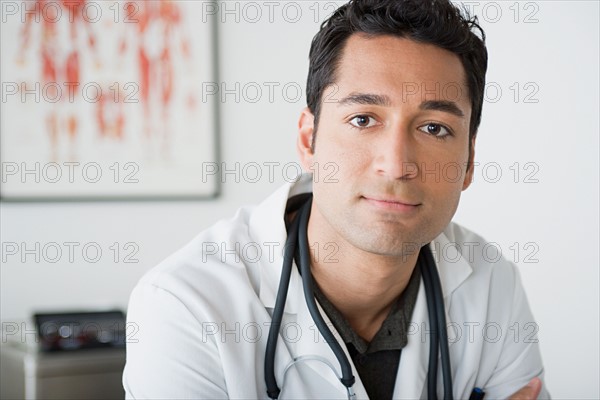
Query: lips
[392,201]
[394,205]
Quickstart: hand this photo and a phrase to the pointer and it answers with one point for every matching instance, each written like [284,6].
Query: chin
[389,244]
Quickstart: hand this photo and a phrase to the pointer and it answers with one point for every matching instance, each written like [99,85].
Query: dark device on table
[80,330]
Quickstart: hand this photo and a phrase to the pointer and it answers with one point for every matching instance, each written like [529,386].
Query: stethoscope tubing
[304,255]
[284,283]
[434,337]
[439,335]
[297,236]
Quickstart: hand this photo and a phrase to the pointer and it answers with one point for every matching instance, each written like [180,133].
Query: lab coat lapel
[414,361]
[412,371]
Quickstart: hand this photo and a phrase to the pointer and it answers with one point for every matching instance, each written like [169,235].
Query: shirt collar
[393,334]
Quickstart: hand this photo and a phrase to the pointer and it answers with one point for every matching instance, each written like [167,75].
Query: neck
[363,286]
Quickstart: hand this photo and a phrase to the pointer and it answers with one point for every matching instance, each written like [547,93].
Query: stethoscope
[297,240]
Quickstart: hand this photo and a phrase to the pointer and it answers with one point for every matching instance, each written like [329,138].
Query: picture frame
[107,100]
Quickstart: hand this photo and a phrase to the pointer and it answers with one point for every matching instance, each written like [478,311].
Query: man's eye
[436,130]
[363,121]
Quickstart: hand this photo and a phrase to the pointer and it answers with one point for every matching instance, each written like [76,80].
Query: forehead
[401,68]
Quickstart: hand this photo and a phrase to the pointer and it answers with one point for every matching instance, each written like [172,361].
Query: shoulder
[226,261]
[493,329]
[476,272]
[210,265]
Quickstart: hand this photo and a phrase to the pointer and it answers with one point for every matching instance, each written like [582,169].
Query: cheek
[443,180]
[449,178]
[444,196]
[337,173]
[448,163]
[452,175]
[340,159]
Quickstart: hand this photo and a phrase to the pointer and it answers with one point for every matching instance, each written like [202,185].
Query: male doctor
[394,93]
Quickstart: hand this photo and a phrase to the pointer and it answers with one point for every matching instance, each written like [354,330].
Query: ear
[470,171]
[305,139]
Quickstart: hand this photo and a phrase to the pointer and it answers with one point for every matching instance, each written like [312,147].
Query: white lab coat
[198,322]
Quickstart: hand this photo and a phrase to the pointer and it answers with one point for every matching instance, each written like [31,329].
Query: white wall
[556,217]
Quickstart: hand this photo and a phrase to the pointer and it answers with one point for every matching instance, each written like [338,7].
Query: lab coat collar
[452,266]
[267,228]
[453,269]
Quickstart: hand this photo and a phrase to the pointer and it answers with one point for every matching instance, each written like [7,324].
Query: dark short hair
[436,22]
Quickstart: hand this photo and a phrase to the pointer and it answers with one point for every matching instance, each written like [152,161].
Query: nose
[395,156]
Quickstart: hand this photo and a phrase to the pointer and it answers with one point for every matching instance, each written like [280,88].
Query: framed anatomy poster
[103,100]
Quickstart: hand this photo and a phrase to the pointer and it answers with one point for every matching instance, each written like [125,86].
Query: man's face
[391,152]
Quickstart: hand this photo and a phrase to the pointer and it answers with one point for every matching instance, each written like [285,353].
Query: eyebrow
[383,100]
[365,99]
[442,105]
